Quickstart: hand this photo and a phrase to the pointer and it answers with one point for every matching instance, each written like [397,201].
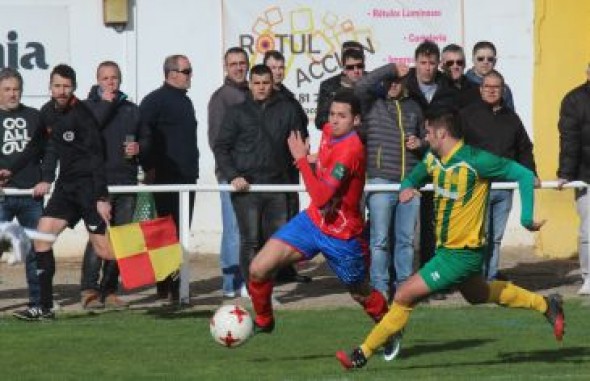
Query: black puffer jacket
[574,135]
[118,119]
[252,141]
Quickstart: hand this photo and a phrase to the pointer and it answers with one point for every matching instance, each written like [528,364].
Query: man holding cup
[126,141]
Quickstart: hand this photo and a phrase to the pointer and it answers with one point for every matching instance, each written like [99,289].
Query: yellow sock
[394,321]
[509,295]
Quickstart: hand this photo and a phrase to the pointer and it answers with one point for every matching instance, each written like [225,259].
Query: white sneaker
[244,292]
[585,289]
[392,346]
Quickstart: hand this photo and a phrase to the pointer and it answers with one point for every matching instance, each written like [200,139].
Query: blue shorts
[348,258]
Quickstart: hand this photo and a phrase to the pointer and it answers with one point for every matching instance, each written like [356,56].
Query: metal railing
[184,218]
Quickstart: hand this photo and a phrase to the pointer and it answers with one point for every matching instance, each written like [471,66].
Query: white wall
[160,28]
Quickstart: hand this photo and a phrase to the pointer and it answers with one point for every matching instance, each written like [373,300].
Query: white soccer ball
[231,325]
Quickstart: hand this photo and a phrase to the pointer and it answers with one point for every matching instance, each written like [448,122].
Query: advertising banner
[310,33]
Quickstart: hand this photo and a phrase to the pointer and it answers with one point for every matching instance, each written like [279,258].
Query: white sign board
[33,40]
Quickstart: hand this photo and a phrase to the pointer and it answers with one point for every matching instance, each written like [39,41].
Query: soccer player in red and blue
[332,224]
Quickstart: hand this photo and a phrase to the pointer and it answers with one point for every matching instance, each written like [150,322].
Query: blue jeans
[229,253]
[393,227]
[27,211]
[499,206]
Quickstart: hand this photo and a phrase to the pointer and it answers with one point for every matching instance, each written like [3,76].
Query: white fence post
[184,235]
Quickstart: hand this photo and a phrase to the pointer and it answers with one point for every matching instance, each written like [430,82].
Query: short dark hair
[354,54]
[275,54]
[352,45]
[348,97]
[427,48]
[454,48]
[235,50]
[484,45]
[494,73]
[9,72]
[65,71]
[260,69]
[444,118]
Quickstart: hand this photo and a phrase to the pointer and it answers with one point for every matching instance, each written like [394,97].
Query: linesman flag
[146,251]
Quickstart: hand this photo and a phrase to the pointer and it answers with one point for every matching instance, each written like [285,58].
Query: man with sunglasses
[484,61]
[453,65]
[353,63]
[170,114]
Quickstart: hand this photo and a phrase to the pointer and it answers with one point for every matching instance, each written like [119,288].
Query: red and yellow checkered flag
[146,251]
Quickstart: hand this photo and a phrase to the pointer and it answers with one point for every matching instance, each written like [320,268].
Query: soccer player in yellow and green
[461,178]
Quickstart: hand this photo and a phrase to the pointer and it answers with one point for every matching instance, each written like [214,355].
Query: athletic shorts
[348,258]
[449,268]
[74,201]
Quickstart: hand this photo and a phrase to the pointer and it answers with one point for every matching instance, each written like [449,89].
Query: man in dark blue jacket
[170,114]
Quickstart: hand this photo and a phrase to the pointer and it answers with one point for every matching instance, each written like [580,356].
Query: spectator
[18,123]
[484,60]
[251,148]
[233,91]
[432,90]
[80,189]
[276,62]
[126,138]
[488,124]
[170,114]
[453,65]
[393,127]
[353,62]
[574,162]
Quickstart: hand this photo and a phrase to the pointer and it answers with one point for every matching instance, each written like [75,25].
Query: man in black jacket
[490,125]
[251,148]
[174,159]
[18,124]
[353,62]
[574,162]
[126,140]
[275,60]
[80,189]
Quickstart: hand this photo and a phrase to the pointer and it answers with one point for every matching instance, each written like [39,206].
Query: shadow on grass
[455,345]
[572,355]
[175,313]
[412,351]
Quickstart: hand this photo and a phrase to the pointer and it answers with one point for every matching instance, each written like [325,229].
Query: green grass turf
[442,343]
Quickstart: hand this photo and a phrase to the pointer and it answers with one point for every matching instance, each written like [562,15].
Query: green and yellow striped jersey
[461,182]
